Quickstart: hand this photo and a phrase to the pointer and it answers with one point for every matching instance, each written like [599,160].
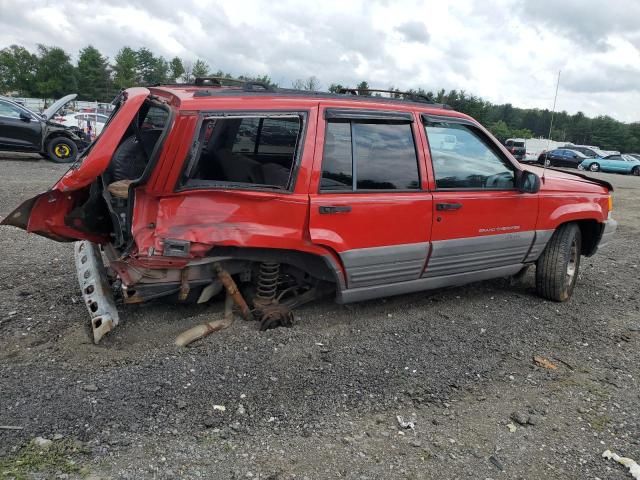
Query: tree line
[49,73]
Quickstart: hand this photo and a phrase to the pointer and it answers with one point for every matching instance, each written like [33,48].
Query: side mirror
[528,182]
[25,117]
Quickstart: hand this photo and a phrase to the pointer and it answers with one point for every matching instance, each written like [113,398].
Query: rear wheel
[557,268]
[636,171]
[594,167]
[62,150]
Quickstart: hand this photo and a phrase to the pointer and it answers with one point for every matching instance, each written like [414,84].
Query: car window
[361,155]
[9,111]
[250,150]
[471,162]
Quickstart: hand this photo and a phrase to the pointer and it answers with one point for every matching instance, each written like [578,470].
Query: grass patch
[57,458]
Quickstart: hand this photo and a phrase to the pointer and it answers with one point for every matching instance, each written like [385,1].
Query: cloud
[603,79]
[413,31]
[588,23]
[503,50]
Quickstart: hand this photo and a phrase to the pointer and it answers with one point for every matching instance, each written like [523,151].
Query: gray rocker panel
[384,265]
[450,257]
[541,239]
[387,290]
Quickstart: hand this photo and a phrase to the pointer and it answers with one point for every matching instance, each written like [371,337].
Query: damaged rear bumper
[95,288]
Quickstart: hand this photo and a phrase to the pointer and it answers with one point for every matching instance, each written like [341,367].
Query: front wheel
[557,268]
[62,150]
[636,171]
[594,167]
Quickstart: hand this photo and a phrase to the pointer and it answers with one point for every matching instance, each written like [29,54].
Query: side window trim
[365,115]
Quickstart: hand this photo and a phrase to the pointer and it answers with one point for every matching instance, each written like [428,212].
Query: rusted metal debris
[544,363]
[232,289]
[233,297]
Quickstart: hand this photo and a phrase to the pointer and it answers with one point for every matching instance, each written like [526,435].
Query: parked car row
[587,158]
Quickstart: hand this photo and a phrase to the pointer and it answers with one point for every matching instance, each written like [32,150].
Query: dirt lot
[321,400]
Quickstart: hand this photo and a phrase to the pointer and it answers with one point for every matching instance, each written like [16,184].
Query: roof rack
[212,86]
[412,95]
[221,81]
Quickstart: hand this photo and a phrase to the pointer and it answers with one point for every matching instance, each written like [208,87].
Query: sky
[501,50]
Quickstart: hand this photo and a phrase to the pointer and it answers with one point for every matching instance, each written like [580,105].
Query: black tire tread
[552,264]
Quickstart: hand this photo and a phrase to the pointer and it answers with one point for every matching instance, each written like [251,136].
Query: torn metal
[95,288]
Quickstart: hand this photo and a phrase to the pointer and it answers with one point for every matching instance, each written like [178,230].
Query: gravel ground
[321,400]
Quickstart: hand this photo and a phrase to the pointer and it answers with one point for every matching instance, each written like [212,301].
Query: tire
[635,171]
[594,167]
[558,266]
[62,150]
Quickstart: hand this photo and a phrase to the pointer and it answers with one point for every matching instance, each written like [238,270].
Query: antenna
[553,112]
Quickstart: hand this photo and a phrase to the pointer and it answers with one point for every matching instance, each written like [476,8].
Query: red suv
[291,195]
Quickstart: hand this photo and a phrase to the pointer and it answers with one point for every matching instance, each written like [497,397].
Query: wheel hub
[62,150]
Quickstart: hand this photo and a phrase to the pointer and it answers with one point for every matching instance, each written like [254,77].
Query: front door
[19,129]
[369,204]
[482,224]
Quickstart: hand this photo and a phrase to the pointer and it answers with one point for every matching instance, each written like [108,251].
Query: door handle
[328,209]
[448,206]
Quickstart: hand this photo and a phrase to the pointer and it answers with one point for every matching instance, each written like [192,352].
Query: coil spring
[268,281]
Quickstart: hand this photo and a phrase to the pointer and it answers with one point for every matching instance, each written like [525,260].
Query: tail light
[610,204]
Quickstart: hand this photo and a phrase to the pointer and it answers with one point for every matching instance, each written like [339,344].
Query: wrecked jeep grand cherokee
[280,196]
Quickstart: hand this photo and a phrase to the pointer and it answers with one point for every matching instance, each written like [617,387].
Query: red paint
[210,217]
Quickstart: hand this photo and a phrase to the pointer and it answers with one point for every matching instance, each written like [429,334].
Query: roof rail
[221,81]
[412,95]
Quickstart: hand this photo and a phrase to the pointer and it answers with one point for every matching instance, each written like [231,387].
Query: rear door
[368,201]
[481,222]
[47,214]
[16,132]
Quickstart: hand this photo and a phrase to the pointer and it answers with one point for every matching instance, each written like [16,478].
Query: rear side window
[369,156]
[464,158]
[246,151]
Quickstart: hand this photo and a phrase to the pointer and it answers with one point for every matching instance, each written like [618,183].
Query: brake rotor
[274,316]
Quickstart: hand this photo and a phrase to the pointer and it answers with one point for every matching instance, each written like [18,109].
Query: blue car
[612,163]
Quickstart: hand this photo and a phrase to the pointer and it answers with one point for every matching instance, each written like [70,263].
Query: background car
[562,157]
[81,120]
[612,163]
[517,147]
[22,130]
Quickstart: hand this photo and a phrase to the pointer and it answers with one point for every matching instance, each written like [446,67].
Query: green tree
[145,65]
[125,68]
[200,69]
[94,80]
[176,69]
[335,87]
[500,130]
[17,70]
[55,76]
[362,88]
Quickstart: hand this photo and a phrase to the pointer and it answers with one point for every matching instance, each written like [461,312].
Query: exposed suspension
[267,285]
